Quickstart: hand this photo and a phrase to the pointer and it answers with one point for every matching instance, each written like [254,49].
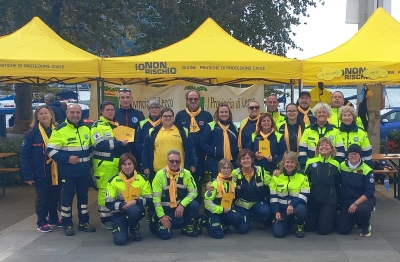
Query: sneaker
[107,225]
[188,231]
[58,223]
[44,229]
[366,233]
[86,227]
[136,235]
[262,226]
[300,231]
[198,226]
[69,231]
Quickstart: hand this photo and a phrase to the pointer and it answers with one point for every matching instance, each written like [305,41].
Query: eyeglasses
[174,161]
[193,99]
[254,107]
[156,107]
[125,90]
[226,167]
[169,116]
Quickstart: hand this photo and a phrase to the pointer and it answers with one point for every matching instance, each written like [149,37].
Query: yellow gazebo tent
[208,56]
[35,54]
[371,56]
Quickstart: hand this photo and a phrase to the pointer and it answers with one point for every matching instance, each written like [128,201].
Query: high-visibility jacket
[277,116]
[257,189]
[211,200]
[335,119]
[186,190]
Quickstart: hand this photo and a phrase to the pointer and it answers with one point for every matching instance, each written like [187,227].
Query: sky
[331,19]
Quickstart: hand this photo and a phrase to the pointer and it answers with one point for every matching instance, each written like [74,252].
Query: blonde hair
[323,106]
[36,113]
[327,141]
[292,156]
[345,109]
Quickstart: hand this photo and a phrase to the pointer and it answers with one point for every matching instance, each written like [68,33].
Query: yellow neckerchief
[286,137]
[194,127]
[128,182]
[248,176]
[54,166]
[241,129]
[154,123]
[306,119]
[265,136]
[172,175]
[114,123]
[220,185]
[227,145]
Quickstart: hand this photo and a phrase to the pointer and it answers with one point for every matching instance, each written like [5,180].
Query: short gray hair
[323,106]
[173,152]
[154,103]
[49,97]
[188,92]
[345,109]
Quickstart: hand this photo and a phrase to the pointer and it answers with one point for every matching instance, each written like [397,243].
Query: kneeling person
[127,194]
[174,191]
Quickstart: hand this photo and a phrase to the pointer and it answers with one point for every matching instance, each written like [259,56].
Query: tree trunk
[23,108]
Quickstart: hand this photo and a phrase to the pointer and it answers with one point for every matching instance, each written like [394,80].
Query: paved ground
[19,240]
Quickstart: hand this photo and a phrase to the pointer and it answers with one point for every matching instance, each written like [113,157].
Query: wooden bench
[4,172]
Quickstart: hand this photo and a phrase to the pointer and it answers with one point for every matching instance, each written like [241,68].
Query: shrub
[11,145]
[391,144]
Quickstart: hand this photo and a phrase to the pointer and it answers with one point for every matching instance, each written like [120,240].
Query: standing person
[289,195]
[272,108]
[219,139]
[55,105]
[106,152]
[126,115]
[41,171]
[194,119]
[217,218]
[292,129]
[266,130]
[69,146]
[337,102]
[358,189]
[252,192]
[174,193]
[152,121]
[315,132]
[248,125]
[127,213]
[353,134]
[305,114]
[324,176]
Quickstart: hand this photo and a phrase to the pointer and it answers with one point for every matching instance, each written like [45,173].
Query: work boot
[198,226]
[136,235]
[69,231]
[366,232]
[188,231]
[107,225]
[86,227]
[300,231]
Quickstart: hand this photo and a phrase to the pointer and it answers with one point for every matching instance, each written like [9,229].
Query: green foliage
[40,91]
[391,144]
[269,90]
[11,145]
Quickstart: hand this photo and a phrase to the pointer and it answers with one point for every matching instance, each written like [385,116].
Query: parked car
[390,120]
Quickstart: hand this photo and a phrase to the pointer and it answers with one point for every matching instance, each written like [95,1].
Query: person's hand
[269,158]
[166,221]
[259,155]
[352,209]
[30,182]
[129,204]
[289,210]
[209,186]
[192,169]
[124,142]
[277,172]
[73,160]
[146,171]
[278,216]
[179,211]
[226,210]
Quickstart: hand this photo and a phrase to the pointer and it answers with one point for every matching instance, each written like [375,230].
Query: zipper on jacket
[77,131]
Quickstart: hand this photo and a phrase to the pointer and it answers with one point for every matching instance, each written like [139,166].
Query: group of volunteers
[309,169]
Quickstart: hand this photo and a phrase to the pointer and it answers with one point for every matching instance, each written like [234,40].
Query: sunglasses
[124,90]
[254,107]
[174,161]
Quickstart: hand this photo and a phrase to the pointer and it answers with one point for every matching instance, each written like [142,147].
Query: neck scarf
[227,145]
[156,122]
[265,136]
[114,123]
[306,119]
[194,127]
[54,166]
[128,182]
[172,175]
[286,137]
[221,179]
[249,175]
[241,129]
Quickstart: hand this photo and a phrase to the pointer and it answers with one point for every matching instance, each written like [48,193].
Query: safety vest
[286,188]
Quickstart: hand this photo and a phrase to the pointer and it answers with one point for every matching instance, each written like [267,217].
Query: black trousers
[321,217]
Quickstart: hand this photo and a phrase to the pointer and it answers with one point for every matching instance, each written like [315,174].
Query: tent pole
[98,94]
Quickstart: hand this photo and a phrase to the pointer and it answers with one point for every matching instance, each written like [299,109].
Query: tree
[262,24]
[23,108]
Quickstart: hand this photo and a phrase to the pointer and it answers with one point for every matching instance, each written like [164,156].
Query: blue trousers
[122,221]
[261,210]
[215,223]
[47,199]
[70,185]
[346,221]
[190,213]
[281,228]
